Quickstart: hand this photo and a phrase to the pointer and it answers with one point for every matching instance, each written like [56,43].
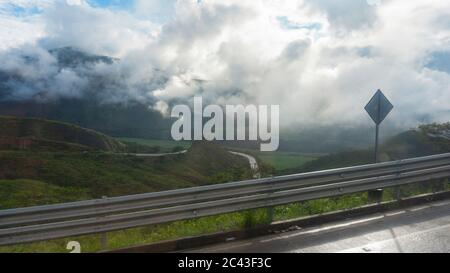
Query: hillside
[409,144]
[72,57]
[422,142]
[43,177]
[211,160]
[38,134]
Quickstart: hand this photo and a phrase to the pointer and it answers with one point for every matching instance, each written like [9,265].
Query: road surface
[415,230]
[253,163]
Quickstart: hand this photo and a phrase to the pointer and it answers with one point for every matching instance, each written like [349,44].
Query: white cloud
[321,62]
[14,32]
[159,11]
[95,30]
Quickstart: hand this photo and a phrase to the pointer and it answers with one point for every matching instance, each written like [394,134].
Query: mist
[321,62]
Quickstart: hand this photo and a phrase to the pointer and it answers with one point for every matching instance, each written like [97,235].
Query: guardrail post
[270,210]
[375,196]
[270,215]
[104,236]
[438,185]
[398,193]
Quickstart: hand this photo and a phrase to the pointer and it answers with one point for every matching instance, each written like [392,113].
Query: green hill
[415,143]
[39,134]
[42,177]
[45,162]
[412,143]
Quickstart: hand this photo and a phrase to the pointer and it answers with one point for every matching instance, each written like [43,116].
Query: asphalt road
[253,163]
[415,230]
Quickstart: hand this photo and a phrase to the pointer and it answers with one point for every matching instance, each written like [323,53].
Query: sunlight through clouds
[318,59]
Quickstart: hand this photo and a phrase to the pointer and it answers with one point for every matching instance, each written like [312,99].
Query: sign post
[378,109]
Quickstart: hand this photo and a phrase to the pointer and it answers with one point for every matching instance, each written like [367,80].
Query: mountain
[71,57]
[44,161]
[38,134]
[424,141]
[133,119]
[98,103]
[427,140]
[30,178]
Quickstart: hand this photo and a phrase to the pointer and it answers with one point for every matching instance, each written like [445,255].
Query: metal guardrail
[97,216]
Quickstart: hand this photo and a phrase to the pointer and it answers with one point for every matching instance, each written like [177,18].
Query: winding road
[253,163]
[252,160]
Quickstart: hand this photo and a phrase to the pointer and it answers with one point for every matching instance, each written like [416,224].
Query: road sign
[379,107]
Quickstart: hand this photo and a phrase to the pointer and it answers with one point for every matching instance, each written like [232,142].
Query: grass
[31,192]
[145,235]
[281,160]
[43,134]
[285,160]
[28,178]
[219,223]
[94,174]
[165,146]
[194,227]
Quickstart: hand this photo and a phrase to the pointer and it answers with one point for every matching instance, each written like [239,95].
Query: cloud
[321,61]
[94,30]
[347,14]
[159,11]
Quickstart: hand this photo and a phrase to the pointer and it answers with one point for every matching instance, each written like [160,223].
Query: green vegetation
[131,119]
[29,178]
[435,128]
[155,146]
[93,175]
[64,171]
[279,161]
[224,222]
[54,162]
[195,227]
[156,233]
[25,193]
[334,161]
[39,134]
[413,144]
[405,145]
[284,160]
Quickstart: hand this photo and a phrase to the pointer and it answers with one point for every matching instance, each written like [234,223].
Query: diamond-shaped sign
[379,107]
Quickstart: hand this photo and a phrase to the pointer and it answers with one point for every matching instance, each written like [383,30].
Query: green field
[286,160]
[281,160]
[165,146]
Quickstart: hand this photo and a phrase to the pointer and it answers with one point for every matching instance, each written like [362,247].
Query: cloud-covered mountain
[321,61]
[64,84]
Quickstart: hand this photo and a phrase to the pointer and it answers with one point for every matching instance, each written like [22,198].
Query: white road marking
[253,163]
[377,245]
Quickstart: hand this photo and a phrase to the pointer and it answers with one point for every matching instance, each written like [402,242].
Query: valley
[76,169]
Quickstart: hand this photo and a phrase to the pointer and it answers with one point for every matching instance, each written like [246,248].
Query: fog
[321,61]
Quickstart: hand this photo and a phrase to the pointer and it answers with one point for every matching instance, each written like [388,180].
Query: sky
[320,60]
